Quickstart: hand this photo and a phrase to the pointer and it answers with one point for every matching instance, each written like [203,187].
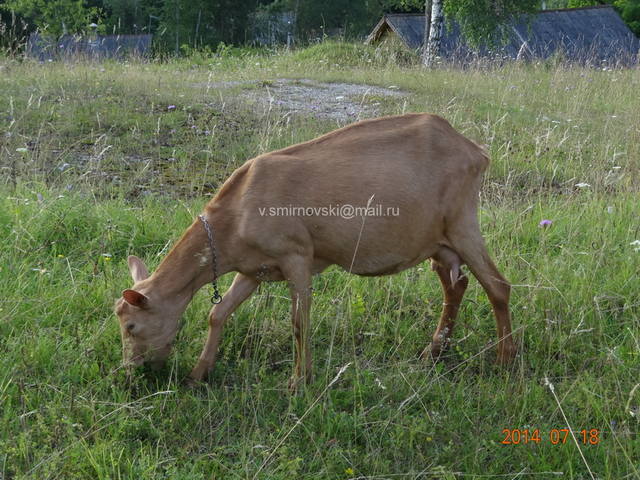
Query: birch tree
[480,21]
[427,28]
[433,31]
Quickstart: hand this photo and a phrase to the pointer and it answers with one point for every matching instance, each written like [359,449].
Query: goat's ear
[137,268]
[134,298]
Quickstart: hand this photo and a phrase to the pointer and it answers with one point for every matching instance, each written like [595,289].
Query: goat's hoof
[297,380]
[506,354]
[191,382]
[129,374]
[200,371]
[294,382]
[433,352]
[197,377]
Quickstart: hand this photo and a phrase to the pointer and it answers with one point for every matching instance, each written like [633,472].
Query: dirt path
[342,102]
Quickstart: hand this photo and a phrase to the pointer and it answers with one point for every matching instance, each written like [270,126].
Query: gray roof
[96,46]
[590,34]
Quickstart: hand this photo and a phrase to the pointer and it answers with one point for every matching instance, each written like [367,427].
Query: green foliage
[203,22]
[55,16]
[195,23]
[352,19]
[630,12]
[14,30]
[316,20]
[478,19]
[582,3]
[125,16]
[174,23]
[402,6]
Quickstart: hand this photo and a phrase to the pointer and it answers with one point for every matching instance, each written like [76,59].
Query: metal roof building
[88,47]
[595,35]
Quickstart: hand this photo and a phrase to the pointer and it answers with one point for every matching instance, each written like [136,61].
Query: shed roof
[595,34]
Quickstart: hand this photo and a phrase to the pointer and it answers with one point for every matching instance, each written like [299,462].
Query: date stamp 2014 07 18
[556,436]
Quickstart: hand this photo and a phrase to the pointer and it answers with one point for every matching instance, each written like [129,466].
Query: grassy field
[104,160]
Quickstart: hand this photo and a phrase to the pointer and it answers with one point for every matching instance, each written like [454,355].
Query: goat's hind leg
[469,244]
[297,270]
[446,263]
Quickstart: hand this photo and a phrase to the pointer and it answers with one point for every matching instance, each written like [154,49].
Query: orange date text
[555,436]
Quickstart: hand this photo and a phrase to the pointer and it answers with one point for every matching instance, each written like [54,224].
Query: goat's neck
[188,266]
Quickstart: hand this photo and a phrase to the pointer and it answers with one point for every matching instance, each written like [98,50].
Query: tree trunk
[195,37]
[435,34]
[177,12]
[427,29]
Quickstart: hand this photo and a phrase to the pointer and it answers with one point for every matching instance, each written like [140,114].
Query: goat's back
[415,170]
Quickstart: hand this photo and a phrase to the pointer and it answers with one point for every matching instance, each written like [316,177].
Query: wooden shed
[594,35]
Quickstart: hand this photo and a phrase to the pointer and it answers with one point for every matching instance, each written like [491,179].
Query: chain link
[216,298]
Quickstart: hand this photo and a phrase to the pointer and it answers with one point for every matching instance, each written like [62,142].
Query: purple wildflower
[545,223]
[171,107]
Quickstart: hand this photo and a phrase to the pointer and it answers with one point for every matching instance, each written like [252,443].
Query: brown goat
[418,176]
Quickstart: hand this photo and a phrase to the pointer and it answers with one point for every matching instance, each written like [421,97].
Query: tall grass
[104,160]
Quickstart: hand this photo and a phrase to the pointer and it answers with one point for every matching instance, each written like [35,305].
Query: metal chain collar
[216,298]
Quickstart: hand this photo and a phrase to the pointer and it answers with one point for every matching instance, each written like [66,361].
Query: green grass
[138,172]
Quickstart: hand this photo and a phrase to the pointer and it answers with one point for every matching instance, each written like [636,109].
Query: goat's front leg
[297,271]
[241,288]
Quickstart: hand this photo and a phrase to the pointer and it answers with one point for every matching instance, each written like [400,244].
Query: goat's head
[148,325]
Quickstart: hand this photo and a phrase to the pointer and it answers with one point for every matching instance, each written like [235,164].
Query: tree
[314,19]
[428,4]
[435,21]
[131,16]
[630,12]
[14,30]
[479,20]
[55,16]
